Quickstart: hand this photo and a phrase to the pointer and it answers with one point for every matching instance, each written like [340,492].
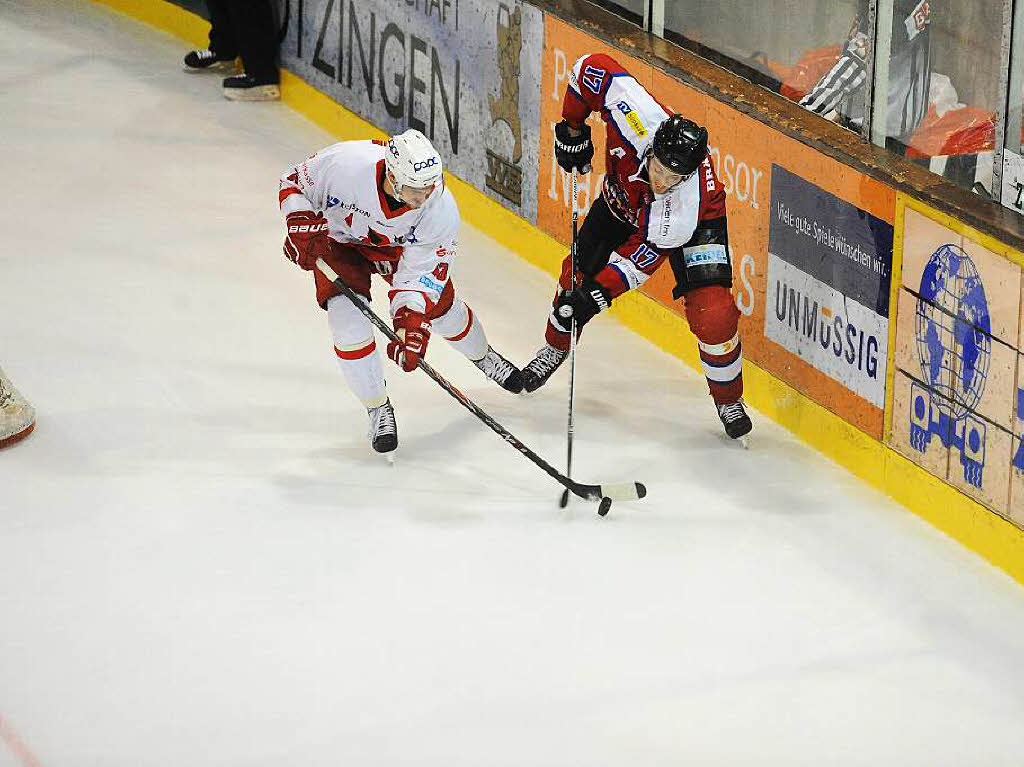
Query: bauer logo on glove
[307,238]
[413,329]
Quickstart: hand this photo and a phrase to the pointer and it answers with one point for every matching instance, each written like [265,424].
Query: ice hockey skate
[540,368]
[501,371]
[383,431]
[17,416]
[735,420]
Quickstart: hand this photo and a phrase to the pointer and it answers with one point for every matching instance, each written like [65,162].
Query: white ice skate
[540,368]
[383,432]
[17,416]
[501,371]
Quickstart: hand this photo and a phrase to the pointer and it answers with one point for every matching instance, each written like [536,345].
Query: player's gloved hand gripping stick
[625,491]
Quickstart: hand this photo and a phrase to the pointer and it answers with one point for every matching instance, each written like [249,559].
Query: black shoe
[383,428]
[206,60]
[248,88]
[540,368]
[501,371]
[735,419]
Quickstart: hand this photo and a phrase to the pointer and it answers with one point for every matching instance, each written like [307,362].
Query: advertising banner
[829,275]
[747,155]
[956,393]
[461,71]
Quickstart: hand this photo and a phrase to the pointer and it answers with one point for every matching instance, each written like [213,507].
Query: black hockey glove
[582,302]
[573,151]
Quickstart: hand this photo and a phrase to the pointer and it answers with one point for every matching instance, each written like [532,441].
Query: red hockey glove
[414,330]
[307,238]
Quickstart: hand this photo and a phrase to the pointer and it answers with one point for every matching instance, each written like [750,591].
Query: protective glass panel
[786,45]
[633,10]
[1013,158]
[940,82]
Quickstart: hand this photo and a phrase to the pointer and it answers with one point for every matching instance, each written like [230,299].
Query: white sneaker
[205,60]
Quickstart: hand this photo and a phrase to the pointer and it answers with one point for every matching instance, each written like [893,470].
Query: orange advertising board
[836,358]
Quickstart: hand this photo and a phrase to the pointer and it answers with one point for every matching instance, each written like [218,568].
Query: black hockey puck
[604,507]
[564,500]
[641,490]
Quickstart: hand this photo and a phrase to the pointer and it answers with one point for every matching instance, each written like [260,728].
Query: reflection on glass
[943,87]
[629,9]
[785,45]
[839,93]
[936,78]
[1013,162]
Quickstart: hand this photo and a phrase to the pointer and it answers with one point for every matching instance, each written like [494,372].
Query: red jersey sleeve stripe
[574,109]
[613,280]
[284,194]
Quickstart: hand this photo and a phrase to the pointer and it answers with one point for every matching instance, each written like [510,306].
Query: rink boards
[885,333]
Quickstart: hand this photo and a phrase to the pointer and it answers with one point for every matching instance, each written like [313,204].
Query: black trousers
[246,28]
[600,233]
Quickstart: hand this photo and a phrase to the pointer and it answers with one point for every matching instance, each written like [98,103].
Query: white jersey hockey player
[381,207]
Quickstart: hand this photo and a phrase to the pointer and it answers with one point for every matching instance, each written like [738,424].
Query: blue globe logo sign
[954,346]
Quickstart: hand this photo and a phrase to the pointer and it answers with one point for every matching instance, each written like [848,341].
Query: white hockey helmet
[412,160]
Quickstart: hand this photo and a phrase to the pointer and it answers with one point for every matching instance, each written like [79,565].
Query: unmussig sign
[453,69]
[829,278]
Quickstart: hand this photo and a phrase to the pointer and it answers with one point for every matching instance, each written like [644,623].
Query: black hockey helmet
[680,144]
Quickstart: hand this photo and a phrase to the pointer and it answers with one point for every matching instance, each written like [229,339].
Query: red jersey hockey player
[373,207]
[661,201]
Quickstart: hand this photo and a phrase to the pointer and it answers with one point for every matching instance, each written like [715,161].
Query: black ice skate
[735,419]
[249,88]
[501,371]
[540,368]
[383,428]
[206,60]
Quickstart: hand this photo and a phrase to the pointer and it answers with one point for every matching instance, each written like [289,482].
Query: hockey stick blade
[624,491]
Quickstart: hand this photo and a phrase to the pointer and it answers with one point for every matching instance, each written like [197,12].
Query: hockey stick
[625,491]
[564,500]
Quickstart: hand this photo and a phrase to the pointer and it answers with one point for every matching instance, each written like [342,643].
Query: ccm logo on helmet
[424,164]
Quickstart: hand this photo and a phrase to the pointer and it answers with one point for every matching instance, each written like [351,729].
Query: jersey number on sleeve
[593,77]
[441,271]
[644,256]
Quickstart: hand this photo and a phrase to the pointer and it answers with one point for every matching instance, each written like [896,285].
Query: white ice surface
[202,564]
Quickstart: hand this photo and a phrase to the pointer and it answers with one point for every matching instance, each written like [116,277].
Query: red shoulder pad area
[595,75]
[712,193]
